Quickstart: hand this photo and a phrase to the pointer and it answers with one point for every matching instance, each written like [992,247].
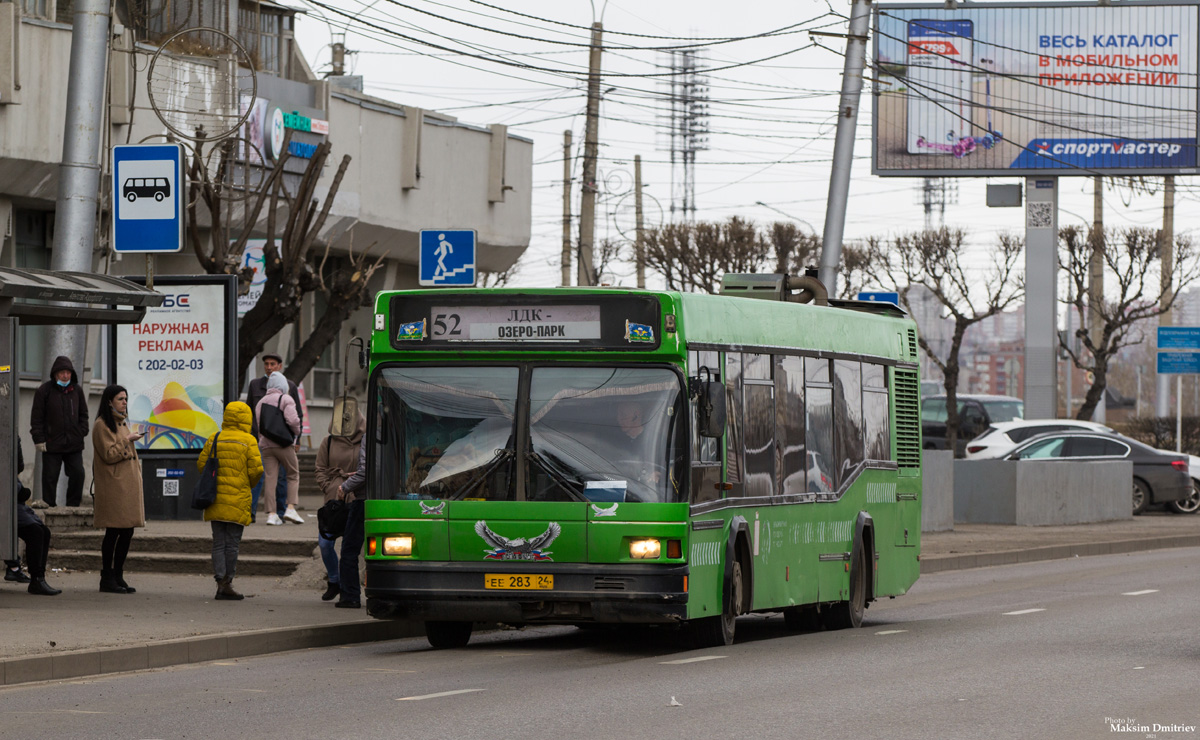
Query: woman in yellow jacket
[239,468]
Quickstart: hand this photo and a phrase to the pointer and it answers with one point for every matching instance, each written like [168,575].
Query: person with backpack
[118,507]
[278,427]
[239,469]
[337,460]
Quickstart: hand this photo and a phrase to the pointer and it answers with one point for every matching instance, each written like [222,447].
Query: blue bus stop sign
[447,258]
[147,202]
[1178,363]
[880,297]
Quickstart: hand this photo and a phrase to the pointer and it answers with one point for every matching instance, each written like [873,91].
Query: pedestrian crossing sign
[447,258]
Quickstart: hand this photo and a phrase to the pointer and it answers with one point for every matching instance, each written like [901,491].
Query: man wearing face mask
[58,423]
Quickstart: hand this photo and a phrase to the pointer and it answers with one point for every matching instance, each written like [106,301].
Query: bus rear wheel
[442,635]
[846,614]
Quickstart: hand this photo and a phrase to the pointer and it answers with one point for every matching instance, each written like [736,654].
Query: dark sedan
[1158,477]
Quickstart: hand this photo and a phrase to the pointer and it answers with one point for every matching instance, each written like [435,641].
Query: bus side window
[818,426]
[758,393]
[848,418]
[876,424]
[706,451]
[733,424]
[789,394]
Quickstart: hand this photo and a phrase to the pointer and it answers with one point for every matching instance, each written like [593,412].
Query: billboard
[177,364]
[1035,89]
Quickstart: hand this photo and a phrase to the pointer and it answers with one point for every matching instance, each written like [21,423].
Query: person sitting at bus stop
[239,469]
[58,422]
[276,454]
[354,492]
[337,460]
[36,536]
[117,480]
[12,568]
[272,363]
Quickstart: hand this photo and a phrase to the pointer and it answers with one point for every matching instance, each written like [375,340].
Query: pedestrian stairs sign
[447,258]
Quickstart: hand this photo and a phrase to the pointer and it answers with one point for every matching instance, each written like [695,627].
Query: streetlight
[794,218]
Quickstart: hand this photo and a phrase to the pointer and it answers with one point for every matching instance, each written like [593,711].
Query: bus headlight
[644,549]
[398,545]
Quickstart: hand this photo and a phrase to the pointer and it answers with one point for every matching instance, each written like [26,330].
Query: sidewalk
[173,619]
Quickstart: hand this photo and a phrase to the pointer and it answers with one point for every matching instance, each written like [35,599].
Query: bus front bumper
[582,593]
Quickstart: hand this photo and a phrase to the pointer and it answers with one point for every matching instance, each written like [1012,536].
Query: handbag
[273,425]
[331,519]
[204,494]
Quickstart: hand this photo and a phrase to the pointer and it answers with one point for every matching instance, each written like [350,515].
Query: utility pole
[1096,279]
[338,54]
[591,145]
[1162,389]
[639,246]
[79,174]
[566,250]
[843,145]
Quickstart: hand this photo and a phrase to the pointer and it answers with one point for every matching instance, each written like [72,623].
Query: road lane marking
[439,695]
[692,660]
[1023,611]
[891,632]
[1141,593]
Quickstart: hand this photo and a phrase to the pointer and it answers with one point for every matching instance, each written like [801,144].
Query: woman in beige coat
[117,477]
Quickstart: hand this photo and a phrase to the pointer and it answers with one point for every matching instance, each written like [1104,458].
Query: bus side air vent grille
[908,419]
[912,344]
[611,583]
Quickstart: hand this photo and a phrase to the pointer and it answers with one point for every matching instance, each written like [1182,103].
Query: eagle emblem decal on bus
[610,511]
[502,548]
[435,510]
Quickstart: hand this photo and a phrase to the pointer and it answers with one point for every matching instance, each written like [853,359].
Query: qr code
[1039,216]
[171,488]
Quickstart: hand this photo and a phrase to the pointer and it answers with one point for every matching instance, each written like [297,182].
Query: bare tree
[1133,256]
[293,262]
[937,261]
[693,257]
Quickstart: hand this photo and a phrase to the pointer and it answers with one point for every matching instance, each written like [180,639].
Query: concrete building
[410,170]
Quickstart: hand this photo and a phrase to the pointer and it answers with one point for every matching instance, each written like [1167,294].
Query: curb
[99,661]
[942,563]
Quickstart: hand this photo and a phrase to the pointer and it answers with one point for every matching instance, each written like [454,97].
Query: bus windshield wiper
[559,477]
[502,455]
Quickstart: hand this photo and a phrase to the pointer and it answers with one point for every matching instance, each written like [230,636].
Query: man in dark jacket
[258,388]
[58,423]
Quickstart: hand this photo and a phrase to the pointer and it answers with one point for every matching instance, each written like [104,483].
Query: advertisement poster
[252,129]
[1011,89]
[253,258]
[173,366]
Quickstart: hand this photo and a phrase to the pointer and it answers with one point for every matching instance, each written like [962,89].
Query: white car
[1191,504]
[1002,437]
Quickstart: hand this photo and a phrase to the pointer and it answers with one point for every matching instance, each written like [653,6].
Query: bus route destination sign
[539,323]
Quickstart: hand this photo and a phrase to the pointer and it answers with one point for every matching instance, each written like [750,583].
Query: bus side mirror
[711,416]
[345,416]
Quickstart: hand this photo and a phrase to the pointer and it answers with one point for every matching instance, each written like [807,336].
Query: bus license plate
[518,581]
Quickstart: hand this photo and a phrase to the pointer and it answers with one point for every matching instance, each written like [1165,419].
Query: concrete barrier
[1039,493]
[937,491]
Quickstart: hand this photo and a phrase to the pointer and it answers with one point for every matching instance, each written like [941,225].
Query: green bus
[615,456]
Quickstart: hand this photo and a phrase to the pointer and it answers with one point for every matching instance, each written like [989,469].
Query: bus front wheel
[849,613]
[442,635]
[719,631]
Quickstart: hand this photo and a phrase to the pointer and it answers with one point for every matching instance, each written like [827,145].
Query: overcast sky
[772,121]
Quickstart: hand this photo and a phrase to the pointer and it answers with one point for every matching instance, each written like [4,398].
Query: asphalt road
[1058,649]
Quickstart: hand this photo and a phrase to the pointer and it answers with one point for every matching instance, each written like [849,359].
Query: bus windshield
[605,434]
[598,434]
[446,432]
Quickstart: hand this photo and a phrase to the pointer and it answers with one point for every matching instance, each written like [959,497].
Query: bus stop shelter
[40,297]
